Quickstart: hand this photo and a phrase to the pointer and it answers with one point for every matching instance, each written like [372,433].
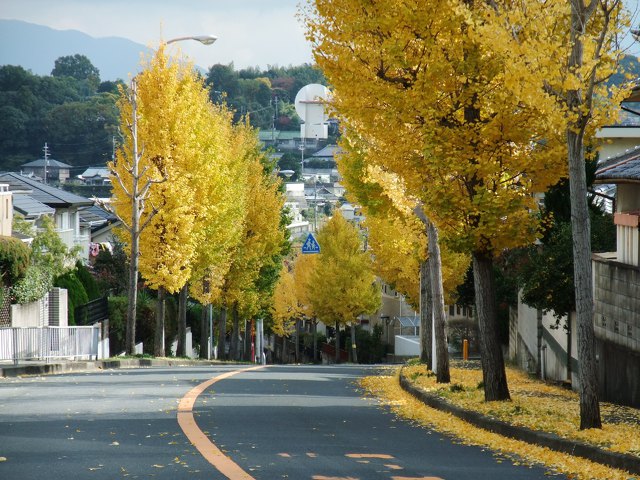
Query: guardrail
[46,343]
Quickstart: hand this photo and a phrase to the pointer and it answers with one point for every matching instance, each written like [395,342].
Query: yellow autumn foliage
[343,282]
[429,93]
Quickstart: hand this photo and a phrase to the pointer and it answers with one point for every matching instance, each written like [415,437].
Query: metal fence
[46,343]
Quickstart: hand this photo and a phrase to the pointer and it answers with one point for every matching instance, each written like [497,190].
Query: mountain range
[36,48]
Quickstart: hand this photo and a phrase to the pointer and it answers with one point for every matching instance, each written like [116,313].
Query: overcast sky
[250,32]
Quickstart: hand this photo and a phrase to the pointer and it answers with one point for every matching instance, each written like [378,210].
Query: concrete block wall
[617,303]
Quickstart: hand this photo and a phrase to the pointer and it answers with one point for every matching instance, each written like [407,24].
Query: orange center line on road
[199,439]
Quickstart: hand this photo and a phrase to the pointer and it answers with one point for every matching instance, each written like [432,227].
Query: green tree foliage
[252,92]
[546,270]
[79,67]
[31,114]
[111,269]
[88,281]
[14,260]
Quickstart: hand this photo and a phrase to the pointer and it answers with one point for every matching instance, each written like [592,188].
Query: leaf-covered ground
[534,404]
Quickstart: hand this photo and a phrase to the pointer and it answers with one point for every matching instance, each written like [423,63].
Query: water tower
[310,106]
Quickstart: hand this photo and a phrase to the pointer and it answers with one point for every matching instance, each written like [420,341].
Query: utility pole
[301,147]
[46,161]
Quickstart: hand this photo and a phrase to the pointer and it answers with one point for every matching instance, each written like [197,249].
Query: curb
[552,441]
[54,368]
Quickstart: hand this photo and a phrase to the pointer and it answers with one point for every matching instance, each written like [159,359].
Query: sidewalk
[8,369]
[514,426]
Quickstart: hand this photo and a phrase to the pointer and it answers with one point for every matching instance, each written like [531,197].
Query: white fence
[46,343]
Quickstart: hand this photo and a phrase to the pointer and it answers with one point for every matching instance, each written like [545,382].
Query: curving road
[293,422]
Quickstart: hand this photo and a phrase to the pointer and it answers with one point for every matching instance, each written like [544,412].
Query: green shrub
[14,260]
[76,294]
[117,323]
[35,285]
[87,280]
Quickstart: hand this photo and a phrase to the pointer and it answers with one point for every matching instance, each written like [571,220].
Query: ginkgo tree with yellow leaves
[343,285]
[479,137]
[398,241]
[262,240]
[183,181]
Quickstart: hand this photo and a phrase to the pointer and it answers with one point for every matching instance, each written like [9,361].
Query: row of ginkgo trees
[199,202]
[336,286]
[458,112]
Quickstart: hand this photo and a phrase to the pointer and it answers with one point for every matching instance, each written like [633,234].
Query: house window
[452,310]
[629,331]
[616,326]
[603,322]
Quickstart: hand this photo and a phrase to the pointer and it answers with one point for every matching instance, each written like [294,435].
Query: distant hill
[35,48]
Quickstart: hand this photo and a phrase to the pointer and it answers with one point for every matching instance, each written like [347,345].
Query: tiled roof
[50,163]
[328,151]
[623,168]
[29,207]
[96,215]
[51,196]
[96,171]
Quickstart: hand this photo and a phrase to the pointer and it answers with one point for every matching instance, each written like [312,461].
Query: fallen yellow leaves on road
[546,406]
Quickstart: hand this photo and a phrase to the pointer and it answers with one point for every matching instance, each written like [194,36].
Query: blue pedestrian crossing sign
[310,245]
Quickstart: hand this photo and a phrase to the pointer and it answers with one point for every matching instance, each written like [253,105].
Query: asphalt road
[295,422]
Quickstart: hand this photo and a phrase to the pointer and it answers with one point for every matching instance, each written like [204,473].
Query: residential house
[66,207]
[96,176]
[547,346]
[296,203]
[617,286]
[49,169]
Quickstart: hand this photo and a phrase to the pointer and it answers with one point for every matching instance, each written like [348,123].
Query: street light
[203,39]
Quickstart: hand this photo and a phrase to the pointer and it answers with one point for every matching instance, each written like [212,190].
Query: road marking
[416,478]
[284,455]
[383,456]
[322,477]
[391,466]
[197,437]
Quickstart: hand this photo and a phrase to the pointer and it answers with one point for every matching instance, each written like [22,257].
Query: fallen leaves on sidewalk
[388,390]
[536,405]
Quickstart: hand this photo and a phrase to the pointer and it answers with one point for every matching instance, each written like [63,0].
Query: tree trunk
[284,349]
[158,338]
[581,230]
[204,332]
[493,372]
[130,334]
[439,319]
[315,341]
[426,314]
[181,349]
[246,348]
[222,333]
[297,341]
[337,359]
[130,330]
[235,334]
[354,351]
